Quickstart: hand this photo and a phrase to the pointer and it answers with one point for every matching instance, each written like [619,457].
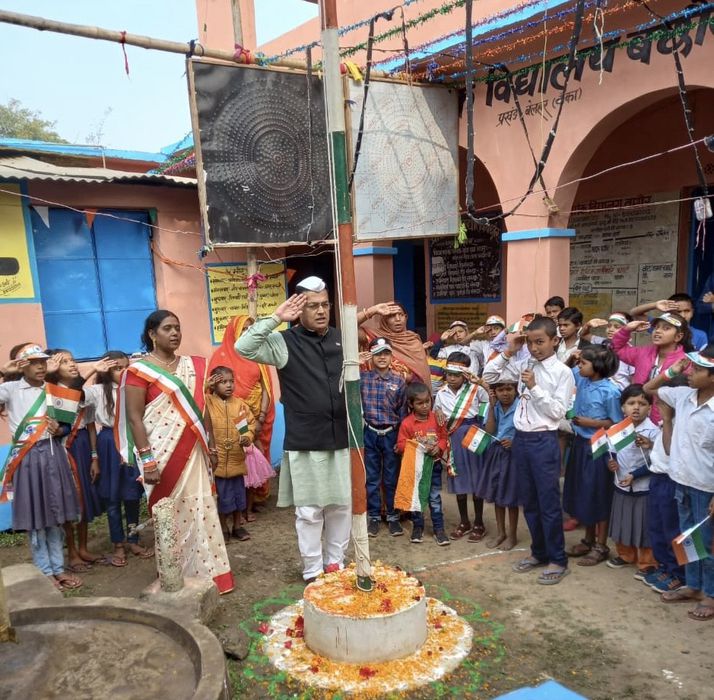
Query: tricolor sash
[68,441]
[461,408]
[177,392]
[32,427]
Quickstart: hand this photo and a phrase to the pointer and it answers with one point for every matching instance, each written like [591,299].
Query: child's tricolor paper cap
[453,368]
[617,318]
[459,324]
[495,321]
[32,352]
[668,318]
[698,359]
[379,345]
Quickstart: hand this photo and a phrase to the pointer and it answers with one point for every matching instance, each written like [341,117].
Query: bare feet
[250,517]
[509,544]
[493,542]
[681,595]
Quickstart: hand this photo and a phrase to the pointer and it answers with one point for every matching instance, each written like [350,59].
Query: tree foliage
[20,122]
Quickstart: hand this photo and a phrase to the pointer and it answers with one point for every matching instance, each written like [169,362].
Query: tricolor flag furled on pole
[476,440]
[483,410]
[570,413]
[242,425]
[689,546]
[622,434]
[599,443]
[62,403]
[414,484]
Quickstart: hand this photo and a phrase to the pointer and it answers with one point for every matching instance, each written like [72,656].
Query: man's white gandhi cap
[311,284]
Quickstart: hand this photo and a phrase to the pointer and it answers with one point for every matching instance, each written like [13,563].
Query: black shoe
[417,535]
[442,539]
[373,527]
[395,529]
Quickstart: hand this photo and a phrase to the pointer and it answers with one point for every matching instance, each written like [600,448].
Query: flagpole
[334,97]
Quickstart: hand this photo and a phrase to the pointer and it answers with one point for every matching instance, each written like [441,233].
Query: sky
[81,83]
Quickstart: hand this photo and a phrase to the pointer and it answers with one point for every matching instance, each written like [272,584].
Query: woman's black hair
[603,358]
[416,389]
[53,377]
[684,329]
[458,358]
[105,379]
[152,322]
[632,391]
[570,313]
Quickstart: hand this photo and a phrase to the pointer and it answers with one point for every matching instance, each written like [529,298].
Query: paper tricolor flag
[414,484]
[622,434]
[242,425]
[62,403]
[689,546]
[570,413]
[521,324]
[476,440]
[599,443]
[483,410]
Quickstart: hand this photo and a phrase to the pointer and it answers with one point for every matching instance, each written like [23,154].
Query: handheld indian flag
[570,413]
[476,440]
[242,425]
[689,546]
[599,443]
[483,410]
[521,324]
[622,434]
[414,484]
[62,403]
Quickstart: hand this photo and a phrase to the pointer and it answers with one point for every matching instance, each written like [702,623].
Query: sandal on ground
[477,533]
[250,517]
[550,577]
[54,582]
[80,568]
[117,557]
[460,531]
[681,595]
[580,549]
[92,558]
[241,534]
[527,564]
[140,551]
[68,582]
[598,554]
[702,613]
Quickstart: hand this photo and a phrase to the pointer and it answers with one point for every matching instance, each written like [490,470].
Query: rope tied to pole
[122,42]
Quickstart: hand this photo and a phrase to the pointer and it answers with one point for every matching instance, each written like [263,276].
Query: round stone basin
[102,649]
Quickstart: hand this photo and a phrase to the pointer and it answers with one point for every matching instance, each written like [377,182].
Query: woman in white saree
[160,420]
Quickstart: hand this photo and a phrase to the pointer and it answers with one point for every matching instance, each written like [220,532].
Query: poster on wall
[16,279]
[469,273]
[623,257]
[228,293]
[261,141]
[474,315]
[407,174]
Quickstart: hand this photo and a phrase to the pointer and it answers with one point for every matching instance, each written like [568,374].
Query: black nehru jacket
[315,411]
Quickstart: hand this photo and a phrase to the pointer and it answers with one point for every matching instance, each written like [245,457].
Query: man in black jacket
[315,472]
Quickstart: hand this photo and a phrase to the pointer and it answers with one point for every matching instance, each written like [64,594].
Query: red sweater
[411,428]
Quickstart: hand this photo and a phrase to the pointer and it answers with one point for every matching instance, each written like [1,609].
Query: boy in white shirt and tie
[546,388]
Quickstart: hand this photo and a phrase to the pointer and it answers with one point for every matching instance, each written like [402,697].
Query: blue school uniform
[588,487]
[498,482]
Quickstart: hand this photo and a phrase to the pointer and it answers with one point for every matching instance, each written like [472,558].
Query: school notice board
[622,257]
[228,293]
[474,315]
[469,273]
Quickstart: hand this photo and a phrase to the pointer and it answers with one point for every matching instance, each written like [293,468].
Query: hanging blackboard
[469,273]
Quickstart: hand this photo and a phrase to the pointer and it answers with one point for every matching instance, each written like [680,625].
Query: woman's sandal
[478,532]
[117,557]
[598,554]
[580,549]
[460,531]
[140,551]
[54,582]
[702,613]
[550,577]
[528,564]
[241,534]
[68,582]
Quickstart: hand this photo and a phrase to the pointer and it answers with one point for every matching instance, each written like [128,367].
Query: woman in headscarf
[254,386]
[407,346]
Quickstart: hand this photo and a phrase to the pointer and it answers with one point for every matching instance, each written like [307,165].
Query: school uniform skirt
[117,481]
[468,465]
[500,477]
[45,494]
[588,487]
[628,519]
[82,454]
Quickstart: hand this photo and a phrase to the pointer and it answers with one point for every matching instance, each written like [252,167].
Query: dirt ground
[599,632]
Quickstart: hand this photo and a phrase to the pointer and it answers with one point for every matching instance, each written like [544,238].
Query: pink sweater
[643,359]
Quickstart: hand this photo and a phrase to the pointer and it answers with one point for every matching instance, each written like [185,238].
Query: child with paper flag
[461,405]
[587,491]
[692,469]
[631,440]
[422,428]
